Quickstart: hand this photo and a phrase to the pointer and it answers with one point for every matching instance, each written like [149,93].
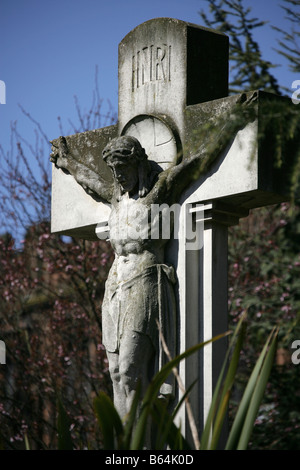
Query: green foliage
[264,249]
[277,425]
[264,273]
[248,408]
[248,69]
[279,134]
[289,45]
[131,434]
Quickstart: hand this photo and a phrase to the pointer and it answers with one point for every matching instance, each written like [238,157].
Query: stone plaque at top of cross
[173,79]
[165,65]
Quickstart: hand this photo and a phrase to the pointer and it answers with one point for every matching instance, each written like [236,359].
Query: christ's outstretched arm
[177,178]
[85,176]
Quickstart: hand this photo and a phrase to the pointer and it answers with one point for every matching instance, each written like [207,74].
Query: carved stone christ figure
[139,288]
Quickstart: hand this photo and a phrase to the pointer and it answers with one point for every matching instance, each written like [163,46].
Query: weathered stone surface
[73,211]
[165,65]
[245,175]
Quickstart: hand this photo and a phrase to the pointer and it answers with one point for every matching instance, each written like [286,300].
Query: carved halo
[159,139]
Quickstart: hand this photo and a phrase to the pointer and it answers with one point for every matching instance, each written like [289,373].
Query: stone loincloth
[136,305]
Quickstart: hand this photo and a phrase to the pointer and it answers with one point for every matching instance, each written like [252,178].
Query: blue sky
[50,51]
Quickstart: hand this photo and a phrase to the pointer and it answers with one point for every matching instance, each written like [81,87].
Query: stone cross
[173,79]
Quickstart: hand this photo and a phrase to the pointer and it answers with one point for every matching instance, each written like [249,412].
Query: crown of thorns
[122,148]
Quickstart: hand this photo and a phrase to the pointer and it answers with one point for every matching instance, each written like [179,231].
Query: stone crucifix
[126,181]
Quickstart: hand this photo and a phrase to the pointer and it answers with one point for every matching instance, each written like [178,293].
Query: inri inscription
[151,63]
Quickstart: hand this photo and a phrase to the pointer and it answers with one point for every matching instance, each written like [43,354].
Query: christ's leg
[118,389]
[136,364]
